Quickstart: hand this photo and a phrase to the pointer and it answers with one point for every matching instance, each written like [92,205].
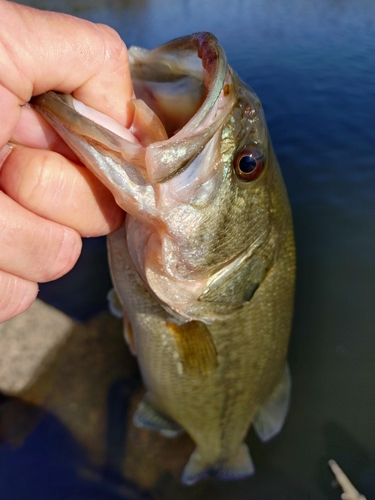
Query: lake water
[312,65]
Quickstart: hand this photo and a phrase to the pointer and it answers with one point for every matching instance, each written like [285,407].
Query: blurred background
[312,65]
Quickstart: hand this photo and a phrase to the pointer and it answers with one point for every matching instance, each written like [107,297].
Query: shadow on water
[311,63]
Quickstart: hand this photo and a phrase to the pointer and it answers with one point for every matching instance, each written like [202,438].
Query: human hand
[48,200]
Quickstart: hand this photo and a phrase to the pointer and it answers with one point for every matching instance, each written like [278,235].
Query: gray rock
[27,342]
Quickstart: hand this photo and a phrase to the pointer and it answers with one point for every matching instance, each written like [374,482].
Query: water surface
[312,65]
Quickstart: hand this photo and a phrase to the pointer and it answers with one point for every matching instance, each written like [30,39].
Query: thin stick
[350,493]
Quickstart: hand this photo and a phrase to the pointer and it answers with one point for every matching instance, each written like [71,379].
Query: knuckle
[40,185]
[115,49]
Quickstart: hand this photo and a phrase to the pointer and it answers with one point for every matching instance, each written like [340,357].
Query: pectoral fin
[271,416]
[195,346]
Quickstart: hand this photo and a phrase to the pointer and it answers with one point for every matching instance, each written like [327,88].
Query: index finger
[41,51]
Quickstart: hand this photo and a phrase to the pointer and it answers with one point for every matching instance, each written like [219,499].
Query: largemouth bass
[204,264]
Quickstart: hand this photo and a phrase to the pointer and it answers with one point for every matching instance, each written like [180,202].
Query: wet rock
[78,383]
[27,342]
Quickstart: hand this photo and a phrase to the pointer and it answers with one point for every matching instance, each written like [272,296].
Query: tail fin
[237,466]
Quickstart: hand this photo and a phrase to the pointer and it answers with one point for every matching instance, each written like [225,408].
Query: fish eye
[249,164]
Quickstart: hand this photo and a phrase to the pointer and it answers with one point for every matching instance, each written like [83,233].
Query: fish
[204,265]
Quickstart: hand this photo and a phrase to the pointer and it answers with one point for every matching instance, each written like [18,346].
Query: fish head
[197,176]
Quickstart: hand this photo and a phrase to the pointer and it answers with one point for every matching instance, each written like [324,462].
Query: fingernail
[4,153]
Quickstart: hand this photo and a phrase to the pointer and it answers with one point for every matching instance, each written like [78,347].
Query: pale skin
[48,201]
[349,492]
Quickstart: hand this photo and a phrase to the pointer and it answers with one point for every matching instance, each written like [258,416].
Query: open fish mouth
[172,172]
[181,89]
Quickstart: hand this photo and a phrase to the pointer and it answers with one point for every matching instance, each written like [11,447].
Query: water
[311,63]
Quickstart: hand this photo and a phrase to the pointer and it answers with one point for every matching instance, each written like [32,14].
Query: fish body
[204,264]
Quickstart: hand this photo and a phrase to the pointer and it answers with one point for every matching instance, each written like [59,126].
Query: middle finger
[58,189]
[32,247]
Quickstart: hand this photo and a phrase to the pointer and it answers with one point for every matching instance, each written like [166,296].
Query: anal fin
[270,418]
[147,417]
[237,466]
[195,346]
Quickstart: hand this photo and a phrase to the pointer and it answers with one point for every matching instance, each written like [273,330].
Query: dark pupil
[247,164]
